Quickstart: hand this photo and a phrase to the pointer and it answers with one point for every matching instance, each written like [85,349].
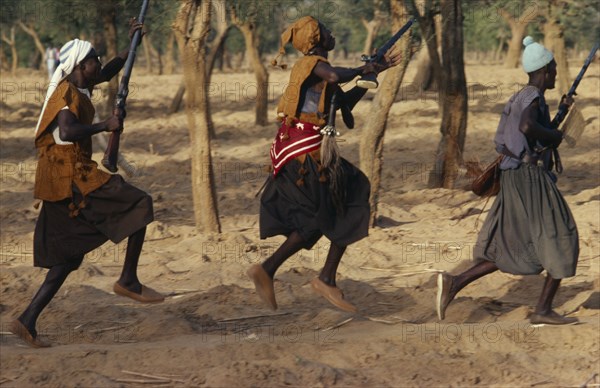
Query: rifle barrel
[111,154]
[587,62]
[562,110]
[388,45]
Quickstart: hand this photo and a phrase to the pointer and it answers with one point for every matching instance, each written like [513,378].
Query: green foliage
[235,41]
[484,26]
[59,21]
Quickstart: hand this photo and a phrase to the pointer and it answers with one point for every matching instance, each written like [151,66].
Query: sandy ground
[212,329]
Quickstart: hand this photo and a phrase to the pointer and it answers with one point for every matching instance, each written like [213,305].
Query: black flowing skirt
[112,212]
[308,209]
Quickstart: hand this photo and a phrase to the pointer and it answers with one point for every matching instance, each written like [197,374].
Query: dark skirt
[529,227]
[308,209]
[112,212]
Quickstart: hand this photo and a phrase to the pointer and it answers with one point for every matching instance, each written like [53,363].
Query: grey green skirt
[529,227]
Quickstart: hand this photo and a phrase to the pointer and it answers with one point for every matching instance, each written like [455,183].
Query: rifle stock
[111,155]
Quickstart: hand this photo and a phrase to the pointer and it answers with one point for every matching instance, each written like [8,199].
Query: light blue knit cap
[535,56]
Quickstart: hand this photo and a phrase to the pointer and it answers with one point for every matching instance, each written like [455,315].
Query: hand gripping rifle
[111,154]
[369,81]
[563,109]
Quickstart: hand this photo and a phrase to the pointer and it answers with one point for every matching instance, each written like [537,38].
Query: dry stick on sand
[134,381]
[540,383]
[109,329]
[379,269]
[382,321]
[392,269]
[401,319]
[338,325]
[153,376]
[592,378]
[426,270]
[181,292]
[252,317]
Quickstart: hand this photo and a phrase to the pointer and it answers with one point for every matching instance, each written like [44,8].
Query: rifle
[563,109]
[112,150]
[369,81]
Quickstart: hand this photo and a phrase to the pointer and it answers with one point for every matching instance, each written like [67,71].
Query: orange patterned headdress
[304,35]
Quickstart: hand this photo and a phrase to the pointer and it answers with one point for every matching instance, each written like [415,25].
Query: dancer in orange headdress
[305,199]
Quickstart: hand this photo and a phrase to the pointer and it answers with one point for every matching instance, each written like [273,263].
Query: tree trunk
[372,27]
[160,62]
[429,24]
[518,27]
[424,74]
[109,18]
[3,60]
[513,54]
[169,55]
[220,58]
[498,52]
[554,41]
[13,50]
[248,30]
[222,28]
[192,26]
[424,78]
[176,103]
[371,143]
[260,73]
[155,53]
[453,98]
[30,30]
[147,54]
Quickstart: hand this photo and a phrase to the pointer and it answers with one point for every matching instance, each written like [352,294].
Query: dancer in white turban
[82,206]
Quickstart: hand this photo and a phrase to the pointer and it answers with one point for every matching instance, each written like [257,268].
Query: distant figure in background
[51,60]
[529,227]
[56,57]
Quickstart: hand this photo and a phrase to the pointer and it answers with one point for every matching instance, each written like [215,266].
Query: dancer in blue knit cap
[529,227]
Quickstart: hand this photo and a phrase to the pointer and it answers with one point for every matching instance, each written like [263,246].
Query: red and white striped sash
[292,141]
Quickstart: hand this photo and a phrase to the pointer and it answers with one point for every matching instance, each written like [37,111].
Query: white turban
[71,54]
[535,56]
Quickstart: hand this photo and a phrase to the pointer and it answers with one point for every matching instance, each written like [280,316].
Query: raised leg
[449,286]
[262,275]
[292,245]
